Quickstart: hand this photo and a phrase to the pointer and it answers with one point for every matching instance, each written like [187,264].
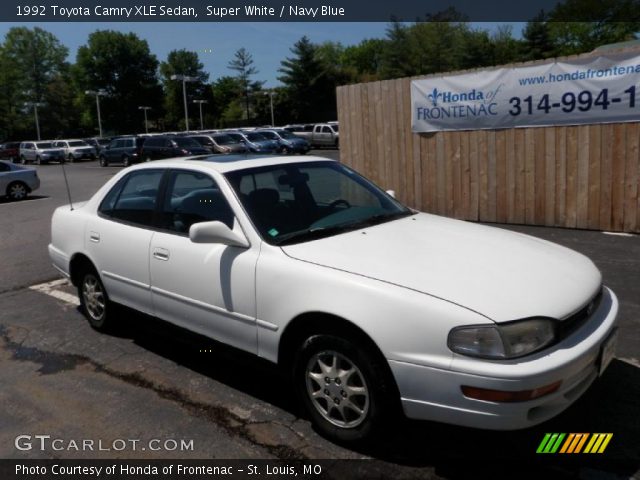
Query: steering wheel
[340,201]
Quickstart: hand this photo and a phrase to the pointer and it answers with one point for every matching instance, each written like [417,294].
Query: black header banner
[290,10]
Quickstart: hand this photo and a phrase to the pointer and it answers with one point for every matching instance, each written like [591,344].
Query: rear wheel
[94,300]
[345,388]
[103,161]
[17,191]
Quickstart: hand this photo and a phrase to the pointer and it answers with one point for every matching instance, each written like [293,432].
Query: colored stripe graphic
[574,443]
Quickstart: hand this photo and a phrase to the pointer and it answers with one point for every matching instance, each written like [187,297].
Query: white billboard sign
[602,89]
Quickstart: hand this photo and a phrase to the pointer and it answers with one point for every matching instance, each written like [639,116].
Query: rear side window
[133,199]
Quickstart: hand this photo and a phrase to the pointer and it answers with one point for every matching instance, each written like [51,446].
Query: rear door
[118,238]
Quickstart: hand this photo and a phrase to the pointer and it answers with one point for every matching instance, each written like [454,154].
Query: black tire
[70,158]
[17,191]
[103,161]
[23,160]
[367,388]
[94,300]
[126,161]
[147,158]
[38,160]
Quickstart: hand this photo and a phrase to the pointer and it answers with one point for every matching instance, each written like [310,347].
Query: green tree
[183,62]
[122,65]
[226,105]
[538,43]
[242,63]
[310,94]
[364,60]
[32,66]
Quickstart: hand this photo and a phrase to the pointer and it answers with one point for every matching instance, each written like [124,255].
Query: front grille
[573,322]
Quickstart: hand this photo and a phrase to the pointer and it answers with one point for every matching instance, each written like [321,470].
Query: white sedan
[374,308]
[16,181]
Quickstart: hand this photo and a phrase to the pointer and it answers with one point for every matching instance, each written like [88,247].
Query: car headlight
[509,340]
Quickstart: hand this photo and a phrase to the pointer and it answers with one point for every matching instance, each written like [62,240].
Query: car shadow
[29,198]
[611,405]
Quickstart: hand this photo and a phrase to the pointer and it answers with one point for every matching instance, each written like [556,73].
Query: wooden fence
[568,176]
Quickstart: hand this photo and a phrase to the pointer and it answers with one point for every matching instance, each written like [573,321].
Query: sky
[216,43]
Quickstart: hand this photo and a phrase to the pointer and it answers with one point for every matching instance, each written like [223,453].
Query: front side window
[304,201]
[193,197]
[133,199]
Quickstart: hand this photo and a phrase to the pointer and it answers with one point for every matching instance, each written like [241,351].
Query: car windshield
[236,136]
[256,137]
[286,134]
[44,145]
[186,142]
[305,201]
[225,139]
[78,143]
[270,135]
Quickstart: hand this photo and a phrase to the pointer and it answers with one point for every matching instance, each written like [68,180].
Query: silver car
[76,150]
[40,152]
[16,181]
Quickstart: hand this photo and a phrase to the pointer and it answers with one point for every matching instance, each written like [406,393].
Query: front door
[207,288]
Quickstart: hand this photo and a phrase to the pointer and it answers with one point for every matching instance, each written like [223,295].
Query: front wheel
[94,300]
[344,388]
[70,158]
[103,161]
[23,160]
[125,161]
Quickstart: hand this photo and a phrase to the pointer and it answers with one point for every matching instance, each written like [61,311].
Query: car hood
[500,274]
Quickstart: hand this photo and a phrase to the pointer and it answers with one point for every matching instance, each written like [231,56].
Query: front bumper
[429,393]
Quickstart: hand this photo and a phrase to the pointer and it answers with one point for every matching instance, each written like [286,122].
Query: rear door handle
[94,237]
[161,254]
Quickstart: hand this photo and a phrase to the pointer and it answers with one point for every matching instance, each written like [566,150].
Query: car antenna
[66,182]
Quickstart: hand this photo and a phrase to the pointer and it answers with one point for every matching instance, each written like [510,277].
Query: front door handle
[161,254]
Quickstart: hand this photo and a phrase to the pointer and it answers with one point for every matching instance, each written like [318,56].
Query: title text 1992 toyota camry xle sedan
[372,306]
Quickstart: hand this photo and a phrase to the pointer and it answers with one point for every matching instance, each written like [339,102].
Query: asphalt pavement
[154,382]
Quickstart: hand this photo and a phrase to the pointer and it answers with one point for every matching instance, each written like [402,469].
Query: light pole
[200,102]
[35,106]
[271,93]
[185,79]
[98,94]
[146,126]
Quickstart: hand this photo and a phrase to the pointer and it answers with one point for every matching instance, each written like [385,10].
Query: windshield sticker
[273,232]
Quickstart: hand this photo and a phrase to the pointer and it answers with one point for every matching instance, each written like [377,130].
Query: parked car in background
[98,144]
[10,151]
[255,142]
[321,134]
[124,150]
[289,143]
[76,150]
[40,152]
[372,308]
[16,181]
[169,146]
[220,143]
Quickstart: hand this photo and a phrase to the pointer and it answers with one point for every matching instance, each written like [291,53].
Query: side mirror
[216,232]
[391,193]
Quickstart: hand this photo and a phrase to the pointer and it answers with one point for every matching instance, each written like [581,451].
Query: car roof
[229,163]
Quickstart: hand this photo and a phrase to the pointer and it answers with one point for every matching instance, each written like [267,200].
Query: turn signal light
[508,396]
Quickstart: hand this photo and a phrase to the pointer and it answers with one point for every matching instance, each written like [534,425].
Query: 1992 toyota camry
[373,307]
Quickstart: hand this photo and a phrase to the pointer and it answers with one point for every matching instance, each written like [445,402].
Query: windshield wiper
[320,232]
